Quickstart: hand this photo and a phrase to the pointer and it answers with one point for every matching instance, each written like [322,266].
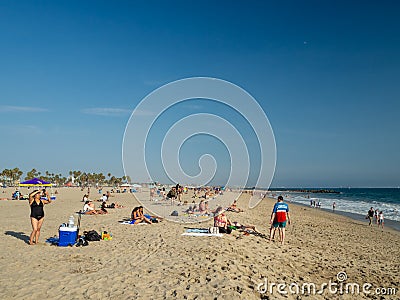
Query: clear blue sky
[326,73]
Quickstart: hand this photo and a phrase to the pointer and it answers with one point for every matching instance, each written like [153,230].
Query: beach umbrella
[35,182]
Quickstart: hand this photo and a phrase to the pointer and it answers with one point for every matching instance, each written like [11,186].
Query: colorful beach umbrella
[35,182]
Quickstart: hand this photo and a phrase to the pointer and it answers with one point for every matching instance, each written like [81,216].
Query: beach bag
[174,213]
[92,236]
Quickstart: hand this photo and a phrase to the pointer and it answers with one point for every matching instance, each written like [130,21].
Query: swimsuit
[37,211]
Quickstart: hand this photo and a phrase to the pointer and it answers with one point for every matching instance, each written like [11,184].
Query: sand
[156,262]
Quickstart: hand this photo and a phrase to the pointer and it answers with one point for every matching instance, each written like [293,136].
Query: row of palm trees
[92,179]
[12,177]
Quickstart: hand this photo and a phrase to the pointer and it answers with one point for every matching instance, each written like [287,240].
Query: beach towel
[52,240]
[132,223]
[198,230]
[202,234]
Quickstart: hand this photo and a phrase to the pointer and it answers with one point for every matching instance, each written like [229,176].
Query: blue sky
[326,73]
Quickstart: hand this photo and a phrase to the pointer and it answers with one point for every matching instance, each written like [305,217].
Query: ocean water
[351,200]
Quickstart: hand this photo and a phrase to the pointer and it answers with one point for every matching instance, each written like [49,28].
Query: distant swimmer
[333,206]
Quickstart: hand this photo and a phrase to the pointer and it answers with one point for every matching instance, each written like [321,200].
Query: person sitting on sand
[103,208]
[103,198]
[88,208]
[221,221]
[85,198]
[233,207]
[202,207]
[138,217]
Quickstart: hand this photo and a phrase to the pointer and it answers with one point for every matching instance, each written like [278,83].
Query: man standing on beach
[370,215]
[280,214]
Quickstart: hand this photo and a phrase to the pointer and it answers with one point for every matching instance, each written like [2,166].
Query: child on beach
[381,219]
[377,216]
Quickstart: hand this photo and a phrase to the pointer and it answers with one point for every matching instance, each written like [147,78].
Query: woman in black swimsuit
[37,214]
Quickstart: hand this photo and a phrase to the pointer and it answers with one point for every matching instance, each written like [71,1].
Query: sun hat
[34,193]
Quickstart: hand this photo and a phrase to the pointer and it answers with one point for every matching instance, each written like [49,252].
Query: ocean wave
[391,211]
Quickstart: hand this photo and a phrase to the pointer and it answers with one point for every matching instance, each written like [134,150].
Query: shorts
[279,224]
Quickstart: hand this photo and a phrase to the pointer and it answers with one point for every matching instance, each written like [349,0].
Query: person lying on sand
[242,227]
[113,205]
[233,207]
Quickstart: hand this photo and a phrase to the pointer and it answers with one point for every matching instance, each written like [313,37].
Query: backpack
[92,236]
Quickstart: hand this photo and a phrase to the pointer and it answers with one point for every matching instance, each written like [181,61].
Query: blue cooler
[52,198]
[67,236]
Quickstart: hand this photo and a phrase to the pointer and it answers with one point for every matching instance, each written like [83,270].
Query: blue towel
[198,230]
[52,240]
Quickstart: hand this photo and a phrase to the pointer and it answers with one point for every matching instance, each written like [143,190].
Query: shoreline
[394,225]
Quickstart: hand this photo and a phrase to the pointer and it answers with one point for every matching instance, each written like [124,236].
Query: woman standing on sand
[37,213]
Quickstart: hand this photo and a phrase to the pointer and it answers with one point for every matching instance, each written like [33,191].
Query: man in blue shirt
[280,215]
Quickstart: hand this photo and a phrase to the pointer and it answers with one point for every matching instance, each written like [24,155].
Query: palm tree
[16,174]
[32,174]
[6,174]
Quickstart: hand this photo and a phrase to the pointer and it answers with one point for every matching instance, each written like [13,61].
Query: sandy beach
[157,262]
